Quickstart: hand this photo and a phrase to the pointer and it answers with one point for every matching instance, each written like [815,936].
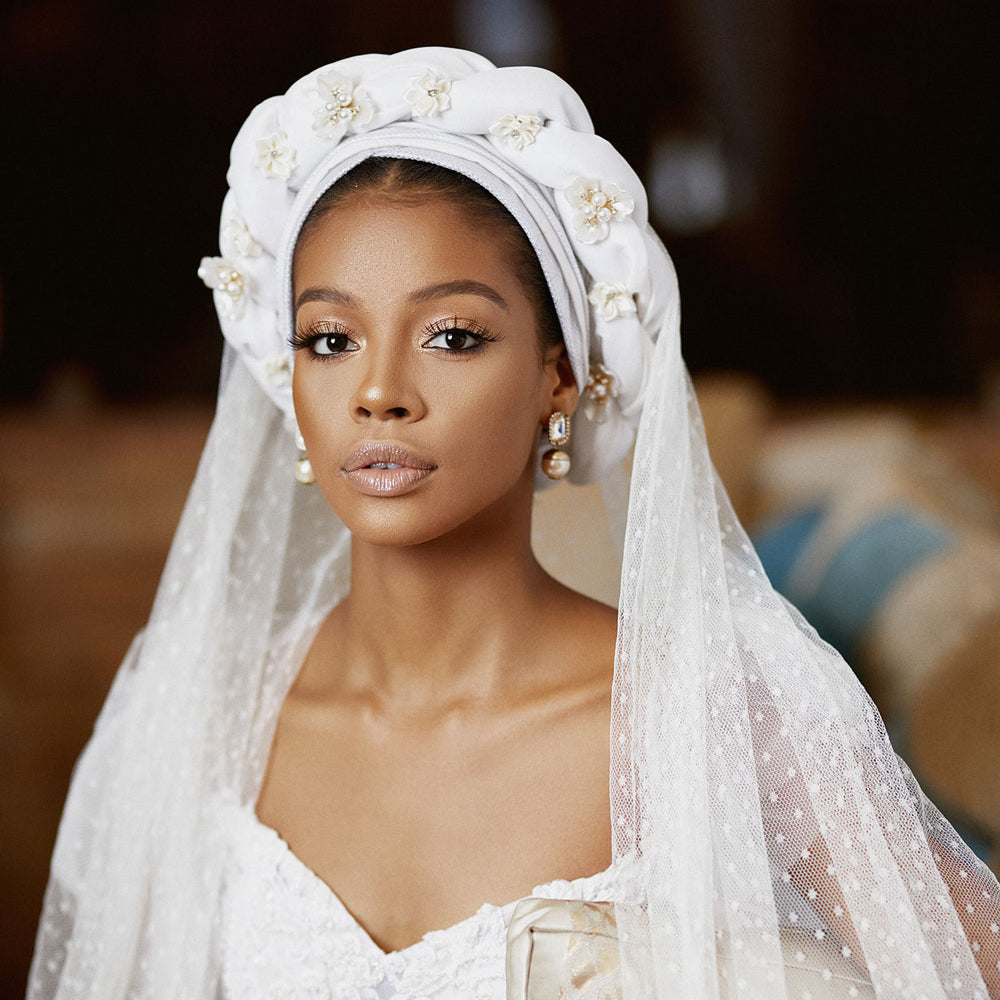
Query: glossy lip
[408,469]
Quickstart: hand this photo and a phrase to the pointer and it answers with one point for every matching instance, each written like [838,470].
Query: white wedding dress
[285,935]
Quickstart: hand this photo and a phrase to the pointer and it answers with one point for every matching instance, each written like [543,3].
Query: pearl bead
[555,464]
[304,472]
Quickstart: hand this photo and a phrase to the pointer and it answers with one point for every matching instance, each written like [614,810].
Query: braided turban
[522,134]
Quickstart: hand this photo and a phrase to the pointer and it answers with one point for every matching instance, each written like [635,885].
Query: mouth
[385,468]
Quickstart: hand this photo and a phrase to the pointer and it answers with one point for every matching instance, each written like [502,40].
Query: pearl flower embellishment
[517,131]
[602,386]
[611,300]
[595,208]
[236,239]
[428,95]
[342,105]
[228,283]
[275,157]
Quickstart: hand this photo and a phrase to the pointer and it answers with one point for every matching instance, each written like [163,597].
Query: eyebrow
[325,295]
[427,294]
[460,287]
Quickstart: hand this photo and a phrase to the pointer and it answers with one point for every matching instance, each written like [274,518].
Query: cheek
[317,408]
[304,404]
[497,427]
[326,431]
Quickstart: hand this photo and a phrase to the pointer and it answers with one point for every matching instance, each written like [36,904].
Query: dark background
[855,251]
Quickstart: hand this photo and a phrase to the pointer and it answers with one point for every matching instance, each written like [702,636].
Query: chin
[426,516]
[394,522]
[395,532]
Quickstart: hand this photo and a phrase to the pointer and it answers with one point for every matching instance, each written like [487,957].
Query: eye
[455,340]
[332,343]
[323,341]
[456,335]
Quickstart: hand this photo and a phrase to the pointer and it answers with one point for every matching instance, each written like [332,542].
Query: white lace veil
[769,829]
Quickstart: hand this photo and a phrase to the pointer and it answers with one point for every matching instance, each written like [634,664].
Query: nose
[386,389]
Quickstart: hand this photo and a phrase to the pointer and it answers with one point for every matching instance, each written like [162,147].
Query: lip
[385,468]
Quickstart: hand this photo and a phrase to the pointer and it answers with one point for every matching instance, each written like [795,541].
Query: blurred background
[824,173]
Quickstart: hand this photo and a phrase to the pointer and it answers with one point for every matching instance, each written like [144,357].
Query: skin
[446,742]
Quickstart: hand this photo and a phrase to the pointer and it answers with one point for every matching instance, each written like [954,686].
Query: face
[419,386]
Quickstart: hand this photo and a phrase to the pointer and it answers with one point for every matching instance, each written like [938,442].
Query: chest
[415,830]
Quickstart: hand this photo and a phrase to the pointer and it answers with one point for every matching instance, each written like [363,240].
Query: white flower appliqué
[236,239]
[275,157]
[341,105]
[596,207]
[517,131]
[602,386]
[612,300]
[231,285]
[428,95]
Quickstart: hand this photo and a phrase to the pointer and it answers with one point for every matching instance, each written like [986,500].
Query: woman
[378,670]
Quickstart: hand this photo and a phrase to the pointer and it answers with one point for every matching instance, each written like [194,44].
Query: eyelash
[302,340]
[306,339]
[456,324]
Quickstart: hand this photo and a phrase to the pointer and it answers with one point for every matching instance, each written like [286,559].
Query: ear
[564,394]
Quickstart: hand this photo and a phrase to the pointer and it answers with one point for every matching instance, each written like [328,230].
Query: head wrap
[522,134]
[751,776]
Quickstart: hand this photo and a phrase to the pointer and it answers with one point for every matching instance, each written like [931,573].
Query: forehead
[385,258]
[368,233]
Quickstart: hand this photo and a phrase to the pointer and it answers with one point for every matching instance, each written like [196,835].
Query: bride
[367,746]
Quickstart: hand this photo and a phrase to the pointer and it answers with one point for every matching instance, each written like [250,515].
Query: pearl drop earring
[303,467]
[556,463]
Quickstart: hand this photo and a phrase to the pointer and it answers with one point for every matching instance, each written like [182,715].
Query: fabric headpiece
[521,133]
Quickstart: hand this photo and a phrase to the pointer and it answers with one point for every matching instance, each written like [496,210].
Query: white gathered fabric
[751,777]
[285,934]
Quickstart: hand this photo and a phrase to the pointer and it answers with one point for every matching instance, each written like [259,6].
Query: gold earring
[303,467]
[555,463]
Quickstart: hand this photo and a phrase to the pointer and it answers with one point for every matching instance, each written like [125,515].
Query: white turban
[523,135]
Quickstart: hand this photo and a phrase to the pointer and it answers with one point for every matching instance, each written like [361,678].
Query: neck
[448,618]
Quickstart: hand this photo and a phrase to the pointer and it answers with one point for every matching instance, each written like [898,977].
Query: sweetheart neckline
[268,834]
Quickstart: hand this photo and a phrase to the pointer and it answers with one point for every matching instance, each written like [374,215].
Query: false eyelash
[302,339]
[456,322]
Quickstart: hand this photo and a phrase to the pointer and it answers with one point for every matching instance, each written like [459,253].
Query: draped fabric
[752,785]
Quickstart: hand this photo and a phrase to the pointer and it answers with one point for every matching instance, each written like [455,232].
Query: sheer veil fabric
[752,787]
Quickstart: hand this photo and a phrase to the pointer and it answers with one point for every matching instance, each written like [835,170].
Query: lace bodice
[285,933]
